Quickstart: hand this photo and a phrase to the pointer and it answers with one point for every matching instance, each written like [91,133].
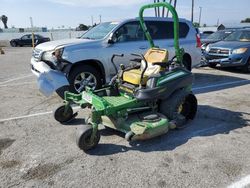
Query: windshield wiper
[87,38]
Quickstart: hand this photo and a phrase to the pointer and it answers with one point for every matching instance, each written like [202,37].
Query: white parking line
[241,183]
[33,115]
[17,84]
[194,89]
[221,84]
[14,79]
[27,116]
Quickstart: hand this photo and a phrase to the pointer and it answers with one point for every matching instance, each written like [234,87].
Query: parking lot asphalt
[37,151]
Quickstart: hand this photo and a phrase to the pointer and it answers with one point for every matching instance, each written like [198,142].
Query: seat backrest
[156,55]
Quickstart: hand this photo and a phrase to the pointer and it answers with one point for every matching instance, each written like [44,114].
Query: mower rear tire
[83,136]
[180,103]
[129,135]
[62,116]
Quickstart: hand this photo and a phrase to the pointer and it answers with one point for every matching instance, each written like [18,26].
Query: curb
[4,43]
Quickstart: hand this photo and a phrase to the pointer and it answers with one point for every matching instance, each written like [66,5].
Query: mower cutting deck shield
[143,100]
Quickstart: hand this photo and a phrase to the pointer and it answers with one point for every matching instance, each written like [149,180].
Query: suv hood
[207,41]
[230,44]
[47,46]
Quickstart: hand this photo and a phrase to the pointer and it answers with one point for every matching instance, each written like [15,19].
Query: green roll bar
[179,52]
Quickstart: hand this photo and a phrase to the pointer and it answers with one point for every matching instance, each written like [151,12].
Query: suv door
[26,40]
[127,39]
[37,39]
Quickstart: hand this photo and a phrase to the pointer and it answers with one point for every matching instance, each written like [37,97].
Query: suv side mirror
[112,39]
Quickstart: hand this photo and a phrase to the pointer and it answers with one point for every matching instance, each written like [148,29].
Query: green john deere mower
[143,100]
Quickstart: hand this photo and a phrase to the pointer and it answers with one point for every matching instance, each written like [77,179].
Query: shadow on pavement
[231,69]
[209,121]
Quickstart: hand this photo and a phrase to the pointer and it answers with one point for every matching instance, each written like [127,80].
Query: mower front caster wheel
[129,135]
[83,138]
[63,116]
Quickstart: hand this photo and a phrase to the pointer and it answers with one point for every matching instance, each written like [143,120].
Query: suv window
[129,32]
[158,30]
[165,30]
[25,37]
[37,37]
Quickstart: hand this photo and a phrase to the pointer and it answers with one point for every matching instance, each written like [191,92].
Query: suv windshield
[243,36]
[99,31]
[219,35]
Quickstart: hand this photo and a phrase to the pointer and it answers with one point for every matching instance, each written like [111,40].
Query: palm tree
[4,20]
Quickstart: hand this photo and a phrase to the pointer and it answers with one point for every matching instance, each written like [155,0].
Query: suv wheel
[246,67]
[82,76]
[13,44]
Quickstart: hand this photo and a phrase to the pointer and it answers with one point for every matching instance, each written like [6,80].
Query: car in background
[26,40]
[214,37]
[73,64]
[205,34]
[233,51]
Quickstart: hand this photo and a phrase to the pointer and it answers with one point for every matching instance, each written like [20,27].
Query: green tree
[247,20]
[196,25]
[82,27]
[4,20]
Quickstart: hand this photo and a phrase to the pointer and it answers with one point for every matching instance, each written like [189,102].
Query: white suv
[73,64]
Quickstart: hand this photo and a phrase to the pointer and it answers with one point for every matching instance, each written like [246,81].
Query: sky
[70,13]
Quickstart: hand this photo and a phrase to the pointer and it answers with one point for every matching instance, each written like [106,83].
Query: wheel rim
[180,108]
[14,44]
[87,141]
[61,116]
[84,79]
[184,108]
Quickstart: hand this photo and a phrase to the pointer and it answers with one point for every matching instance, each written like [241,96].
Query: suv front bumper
[48,80]
[229,61]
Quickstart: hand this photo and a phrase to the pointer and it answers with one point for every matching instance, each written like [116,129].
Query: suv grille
[37,54]
[219,51]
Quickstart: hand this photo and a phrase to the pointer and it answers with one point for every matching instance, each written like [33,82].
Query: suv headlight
[47,56]
[53,56]
[207,48]
[239,51]
[58,53]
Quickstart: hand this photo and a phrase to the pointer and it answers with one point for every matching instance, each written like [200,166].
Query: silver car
[73,64]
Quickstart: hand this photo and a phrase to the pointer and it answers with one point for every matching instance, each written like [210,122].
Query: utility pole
[31,22]
[155,9]
[200,16]
[175,1]
[32,36]
[170,2]
[192,12]
[218,22]
[100,17]
[163,9]
[158,9]
[92,20]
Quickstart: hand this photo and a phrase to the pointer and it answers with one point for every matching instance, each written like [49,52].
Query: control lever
[112,60]
[146,64]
